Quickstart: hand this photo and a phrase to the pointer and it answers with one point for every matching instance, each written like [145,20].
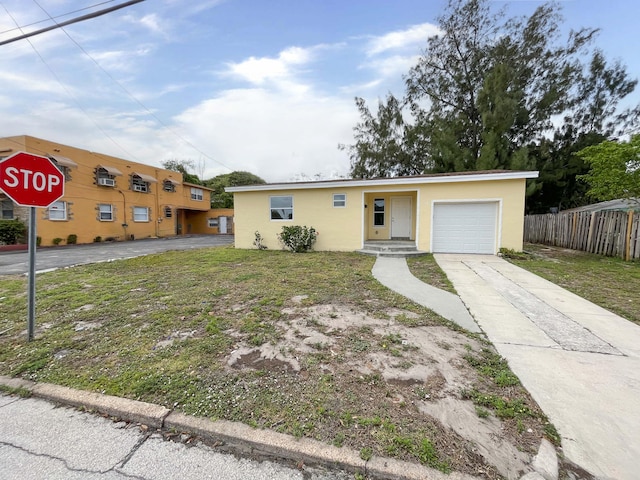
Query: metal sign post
[31,294]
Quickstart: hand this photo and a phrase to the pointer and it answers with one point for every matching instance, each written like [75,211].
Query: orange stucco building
[108,198]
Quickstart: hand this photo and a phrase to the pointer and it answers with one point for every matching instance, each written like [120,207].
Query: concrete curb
[238,436]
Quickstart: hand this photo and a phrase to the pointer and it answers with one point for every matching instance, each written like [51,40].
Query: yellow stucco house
[109,198]
[470,212]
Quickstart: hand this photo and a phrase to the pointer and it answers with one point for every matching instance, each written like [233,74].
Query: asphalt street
[47,258]
[41,440]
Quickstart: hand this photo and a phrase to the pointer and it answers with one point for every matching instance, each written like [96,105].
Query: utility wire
[133,97]
[66,89]
[69,22]
[176,134]
[58,16]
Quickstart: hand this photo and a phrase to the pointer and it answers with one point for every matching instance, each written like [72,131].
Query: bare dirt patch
[401,375]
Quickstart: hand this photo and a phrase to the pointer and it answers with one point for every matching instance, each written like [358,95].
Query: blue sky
[265,86]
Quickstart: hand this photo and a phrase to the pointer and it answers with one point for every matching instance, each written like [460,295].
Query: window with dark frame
[168,212]
[139,185]
[168,186]
[281,207]
[197,194]
[378,212]
[66,172]
[6,207]
[104,178]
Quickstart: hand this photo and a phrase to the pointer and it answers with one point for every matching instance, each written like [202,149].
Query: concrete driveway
[48,258]
[580,362]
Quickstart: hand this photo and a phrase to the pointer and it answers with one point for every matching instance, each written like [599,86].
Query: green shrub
[11,231]
[72,239]
[98,239]
[298,239]
[38,241]
[56,241]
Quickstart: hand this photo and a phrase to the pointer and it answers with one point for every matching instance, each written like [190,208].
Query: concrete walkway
[394,273]
[580,362]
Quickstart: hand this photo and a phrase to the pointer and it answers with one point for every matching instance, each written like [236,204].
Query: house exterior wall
[346,228]
[83,196]
[201,221]
[339,228]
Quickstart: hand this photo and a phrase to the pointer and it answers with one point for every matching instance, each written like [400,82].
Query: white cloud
[193,7]
[394,66]
[122,60]
[30,83]
[414,36]
[152,22]
[260,70]
[271,134]
[359,88]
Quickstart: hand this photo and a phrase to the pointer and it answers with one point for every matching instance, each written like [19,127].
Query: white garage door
[465,227]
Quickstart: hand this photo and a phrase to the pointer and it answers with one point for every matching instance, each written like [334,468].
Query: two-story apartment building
[109,198]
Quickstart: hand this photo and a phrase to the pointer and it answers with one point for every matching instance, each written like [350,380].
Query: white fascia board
[393,181]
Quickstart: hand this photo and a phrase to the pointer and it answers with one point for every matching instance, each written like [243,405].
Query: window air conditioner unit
[139,188]
[107,182]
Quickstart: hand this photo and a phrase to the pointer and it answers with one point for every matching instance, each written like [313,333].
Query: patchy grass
[609,282]
[426,269]
[164,328]
[499,391]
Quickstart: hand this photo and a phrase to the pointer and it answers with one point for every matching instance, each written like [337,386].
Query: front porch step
[397,249]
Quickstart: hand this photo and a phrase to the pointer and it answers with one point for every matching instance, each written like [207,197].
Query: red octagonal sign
[31,180]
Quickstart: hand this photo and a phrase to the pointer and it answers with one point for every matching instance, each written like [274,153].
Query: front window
[6,209]
[281,208]
[140,214]
[213,223]
[378,212]
[58,211]
[339,200]
[196,194]
[168,186]
[106,212]
[139,185]
[168,213]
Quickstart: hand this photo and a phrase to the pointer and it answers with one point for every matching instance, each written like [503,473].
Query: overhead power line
[72,21]
[91,7]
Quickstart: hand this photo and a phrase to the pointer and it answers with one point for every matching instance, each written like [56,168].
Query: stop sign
[31,180]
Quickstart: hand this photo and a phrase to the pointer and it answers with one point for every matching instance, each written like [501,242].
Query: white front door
[401,217]
[222,224]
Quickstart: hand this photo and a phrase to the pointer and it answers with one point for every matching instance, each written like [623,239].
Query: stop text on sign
[28,179]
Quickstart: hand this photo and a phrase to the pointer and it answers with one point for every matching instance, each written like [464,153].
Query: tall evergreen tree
[493,92]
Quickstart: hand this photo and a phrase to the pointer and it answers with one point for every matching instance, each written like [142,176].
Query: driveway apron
[580,362]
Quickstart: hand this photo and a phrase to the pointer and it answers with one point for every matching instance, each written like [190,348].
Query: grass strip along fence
[610,233]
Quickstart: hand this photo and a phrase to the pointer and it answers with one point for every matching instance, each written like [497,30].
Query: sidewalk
[580,362]
[394,273]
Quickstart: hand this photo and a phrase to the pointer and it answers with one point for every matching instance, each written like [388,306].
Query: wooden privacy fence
[611,233]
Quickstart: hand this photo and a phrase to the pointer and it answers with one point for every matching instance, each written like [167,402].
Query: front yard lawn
[305,344]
